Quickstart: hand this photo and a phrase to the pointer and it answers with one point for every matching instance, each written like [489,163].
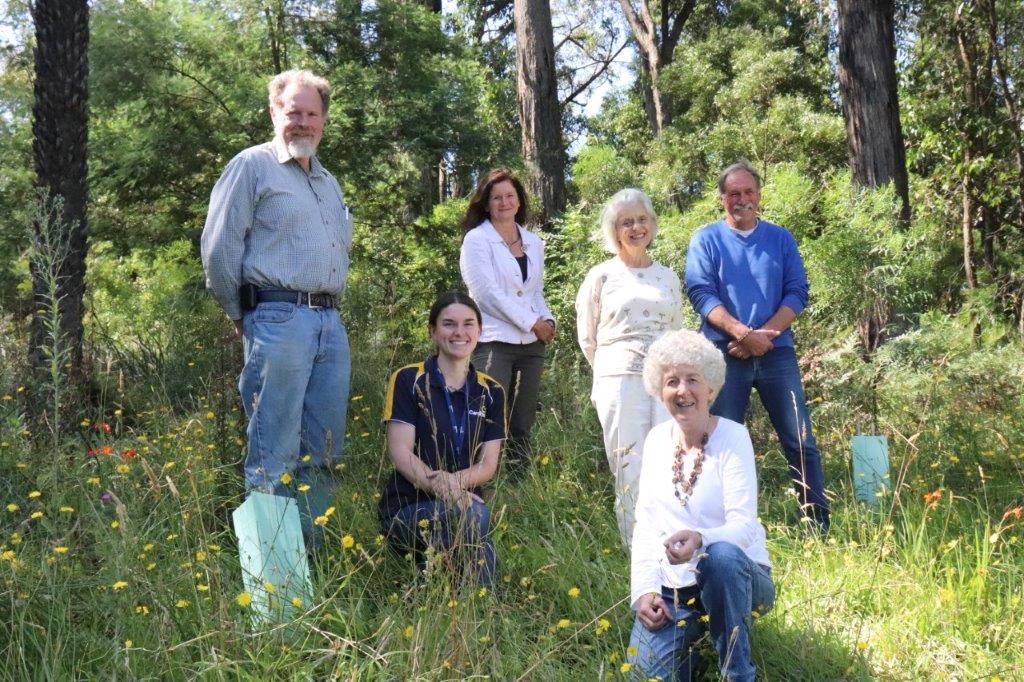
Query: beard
[301,147]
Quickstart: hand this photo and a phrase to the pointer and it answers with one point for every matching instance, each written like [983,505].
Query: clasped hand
[446,485]
[544,330]
[756,343]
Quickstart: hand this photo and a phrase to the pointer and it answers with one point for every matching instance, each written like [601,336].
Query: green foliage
[599,171]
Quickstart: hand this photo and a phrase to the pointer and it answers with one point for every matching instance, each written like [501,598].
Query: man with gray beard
[275,252]
[746,280]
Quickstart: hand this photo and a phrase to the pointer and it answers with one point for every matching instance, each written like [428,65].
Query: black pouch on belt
[248,297]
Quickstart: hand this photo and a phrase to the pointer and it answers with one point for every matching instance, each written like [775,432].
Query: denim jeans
[433,523]
[294,389]
[730,587]
[517,367]
[776,376]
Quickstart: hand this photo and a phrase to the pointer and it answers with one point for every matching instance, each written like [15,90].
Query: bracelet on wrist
[745,335]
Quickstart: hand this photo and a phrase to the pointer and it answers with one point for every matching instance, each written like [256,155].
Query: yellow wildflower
[181,603]
[34,494]
[574,592]
[564,623]
[625,668]
[60,550]
[13,507]
[296,602]
[286,478]
[243,599]
[120,585]
[348,541]
[37,515]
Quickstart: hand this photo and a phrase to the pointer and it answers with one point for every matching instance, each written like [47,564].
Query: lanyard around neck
[460,426]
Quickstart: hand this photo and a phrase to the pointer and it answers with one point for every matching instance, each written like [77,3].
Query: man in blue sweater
[746,280]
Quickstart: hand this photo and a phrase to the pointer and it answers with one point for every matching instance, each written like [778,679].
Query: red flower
[128,454]
[1016,512]
[102,426]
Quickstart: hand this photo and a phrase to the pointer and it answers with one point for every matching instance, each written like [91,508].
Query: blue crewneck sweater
[751,276]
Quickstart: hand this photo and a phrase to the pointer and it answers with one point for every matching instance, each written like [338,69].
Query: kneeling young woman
[445,427]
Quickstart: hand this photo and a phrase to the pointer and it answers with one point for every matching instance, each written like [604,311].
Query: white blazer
[509,305]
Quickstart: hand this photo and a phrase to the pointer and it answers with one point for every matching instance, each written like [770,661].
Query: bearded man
[746,280]
[275,252]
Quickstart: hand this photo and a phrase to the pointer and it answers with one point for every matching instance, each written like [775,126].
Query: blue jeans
[444,527]
[729,588]
[294,389]
[776,376]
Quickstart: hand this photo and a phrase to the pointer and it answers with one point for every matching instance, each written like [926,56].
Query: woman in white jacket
[624,305]
[502,264]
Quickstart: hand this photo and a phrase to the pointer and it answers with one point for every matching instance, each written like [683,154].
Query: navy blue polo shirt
[416,395]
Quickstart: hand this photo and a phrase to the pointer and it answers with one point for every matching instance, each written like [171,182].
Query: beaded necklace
[683,487]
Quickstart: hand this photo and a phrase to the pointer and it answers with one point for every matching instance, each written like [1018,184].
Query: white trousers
[627,413]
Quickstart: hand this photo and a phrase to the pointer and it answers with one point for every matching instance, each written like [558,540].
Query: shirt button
[519,293]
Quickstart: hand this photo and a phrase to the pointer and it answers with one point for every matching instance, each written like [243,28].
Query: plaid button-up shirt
[273,225]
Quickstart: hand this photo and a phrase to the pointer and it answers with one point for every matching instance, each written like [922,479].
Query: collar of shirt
[493,236]
[283,157]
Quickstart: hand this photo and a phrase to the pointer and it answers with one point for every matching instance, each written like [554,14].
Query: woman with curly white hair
[624,304]
[698,547]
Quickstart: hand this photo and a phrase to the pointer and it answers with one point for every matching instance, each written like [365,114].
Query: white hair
[683,347]
[612,210]
[302,77]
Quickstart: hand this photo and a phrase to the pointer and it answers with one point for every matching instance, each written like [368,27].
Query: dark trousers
[517,367]
[776,376]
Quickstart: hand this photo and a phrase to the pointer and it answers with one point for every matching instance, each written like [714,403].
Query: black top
[416,395]
[522,265]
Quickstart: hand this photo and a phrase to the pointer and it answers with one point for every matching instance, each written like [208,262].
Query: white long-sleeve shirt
[723,506]
[621,311]
[510,306]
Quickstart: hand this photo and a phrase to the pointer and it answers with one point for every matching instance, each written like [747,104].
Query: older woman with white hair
[624,304]
[698,548]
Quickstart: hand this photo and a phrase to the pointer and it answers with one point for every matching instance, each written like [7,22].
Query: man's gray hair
[303,77]
[683,347]
[612,210]
[741,165]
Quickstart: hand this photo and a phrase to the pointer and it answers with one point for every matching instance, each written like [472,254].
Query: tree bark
[867,81]
[657,44]
[539,111]
[59,129]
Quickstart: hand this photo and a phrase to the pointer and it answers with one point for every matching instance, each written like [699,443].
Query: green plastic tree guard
[273,555]
[870,468]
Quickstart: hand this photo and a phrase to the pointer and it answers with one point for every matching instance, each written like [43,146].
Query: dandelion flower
[631,651]
[574,592]
[200,555]
[296,602]
[120,585]
[268,586]
[34,494]
[13,507]
[37,515]
[202,588]
[181,603]
[564,623]
[303,488]
[603,626]
[115,524]
[243,599]
[93,480]
[348,541]
[8,555]
[67,510]
[286,478]
[60,550]
[320,520]
[142,609]
[625,668]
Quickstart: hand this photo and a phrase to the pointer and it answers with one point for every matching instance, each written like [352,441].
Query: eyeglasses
[629,223]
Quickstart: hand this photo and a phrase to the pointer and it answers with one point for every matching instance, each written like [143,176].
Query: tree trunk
[59,129]
[539,112]
[967,231]
[867,81]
